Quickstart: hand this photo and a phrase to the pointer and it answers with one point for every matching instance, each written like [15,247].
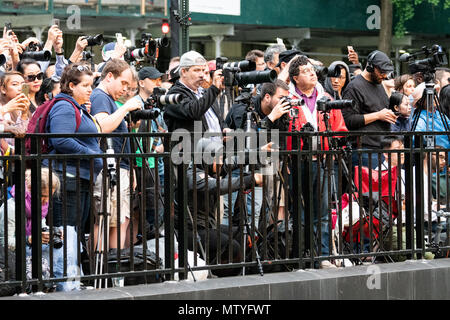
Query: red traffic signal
[165,28]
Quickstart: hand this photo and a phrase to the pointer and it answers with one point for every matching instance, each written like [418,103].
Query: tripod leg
[98,250]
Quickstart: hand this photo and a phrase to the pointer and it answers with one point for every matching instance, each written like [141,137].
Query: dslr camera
[34,51]
[293,112]
[96,40]
[57,236]
[325,104]
[154,104]
[149,47]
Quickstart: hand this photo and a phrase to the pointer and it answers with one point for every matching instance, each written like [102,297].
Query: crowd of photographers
[278,89]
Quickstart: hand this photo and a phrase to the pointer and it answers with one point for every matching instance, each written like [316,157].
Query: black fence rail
[197,211]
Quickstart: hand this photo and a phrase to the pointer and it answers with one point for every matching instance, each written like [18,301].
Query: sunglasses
[32,77]
[82,68]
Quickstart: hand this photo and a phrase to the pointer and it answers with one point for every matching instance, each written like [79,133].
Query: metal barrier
[314,206]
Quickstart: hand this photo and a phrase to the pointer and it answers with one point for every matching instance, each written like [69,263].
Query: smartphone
[56,22]
[25,89]
[119,38]
[350,48]
[8,26]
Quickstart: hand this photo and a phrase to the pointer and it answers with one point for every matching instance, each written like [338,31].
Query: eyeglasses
[32,77]
[307,71]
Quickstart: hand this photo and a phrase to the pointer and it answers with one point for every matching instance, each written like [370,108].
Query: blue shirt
[441,140]
[61,119]
[103,102]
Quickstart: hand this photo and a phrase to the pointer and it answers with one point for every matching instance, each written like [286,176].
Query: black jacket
[191,109]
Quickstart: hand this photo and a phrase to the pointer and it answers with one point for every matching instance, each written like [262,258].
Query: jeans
[258,202]
[71,218]
[73,271]
[316,195]
[70,200]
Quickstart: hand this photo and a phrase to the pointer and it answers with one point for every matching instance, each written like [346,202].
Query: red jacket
[336,120]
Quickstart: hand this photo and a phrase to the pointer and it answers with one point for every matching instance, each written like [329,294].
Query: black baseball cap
[174,74]
[287,55]
[150,73]
[382,62]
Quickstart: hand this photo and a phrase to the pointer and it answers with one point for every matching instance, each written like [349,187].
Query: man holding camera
[197,104]
[371,111]
[304,85]
[270,107]
[115,79]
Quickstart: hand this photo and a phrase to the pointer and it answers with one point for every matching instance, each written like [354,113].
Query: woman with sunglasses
[33,76]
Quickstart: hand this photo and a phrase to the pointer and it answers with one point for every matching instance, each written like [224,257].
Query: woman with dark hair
[399,104]
[76,88]
[33,76]
[49,89]
[336,85]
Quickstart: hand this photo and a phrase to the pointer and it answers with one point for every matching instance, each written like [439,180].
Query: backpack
[38,123]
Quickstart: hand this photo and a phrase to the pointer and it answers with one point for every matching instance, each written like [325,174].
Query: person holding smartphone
[33,76]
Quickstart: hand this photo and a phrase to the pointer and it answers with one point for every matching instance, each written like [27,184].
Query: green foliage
[405,11]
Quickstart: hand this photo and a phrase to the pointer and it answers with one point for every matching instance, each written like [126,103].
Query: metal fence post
[19,179]
[36,213]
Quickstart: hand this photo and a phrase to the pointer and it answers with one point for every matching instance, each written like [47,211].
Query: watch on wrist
[60,53]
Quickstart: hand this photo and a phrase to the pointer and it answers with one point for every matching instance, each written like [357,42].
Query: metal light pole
[183,18]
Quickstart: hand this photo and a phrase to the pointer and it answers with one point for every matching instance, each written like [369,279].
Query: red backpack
[38,123]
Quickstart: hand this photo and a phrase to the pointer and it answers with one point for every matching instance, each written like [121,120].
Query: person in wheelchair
[206,182]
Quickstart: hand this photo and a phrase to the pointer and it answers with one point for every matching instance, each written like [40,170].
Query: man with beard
[371,111]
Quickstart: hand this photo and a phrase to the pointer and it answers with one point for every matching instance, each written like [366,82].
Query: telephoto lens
[325,104]
[149,114]
[255,77]
[174,98]
[244,65]
[37,55]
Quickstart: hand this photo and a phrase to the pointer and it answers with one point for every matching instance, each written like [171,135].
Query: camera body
[325,104]
[293,112]
[96,40]
[57,236]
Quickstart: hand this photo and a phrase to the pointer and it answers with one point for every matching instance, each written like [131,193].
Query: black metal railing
[314,206]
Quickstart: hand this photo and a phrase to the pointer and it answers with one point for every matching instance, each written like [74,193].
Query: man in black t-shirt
[371,111]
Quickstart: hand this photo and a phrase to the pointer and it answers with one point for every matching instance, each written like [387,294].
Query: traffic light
[165,28]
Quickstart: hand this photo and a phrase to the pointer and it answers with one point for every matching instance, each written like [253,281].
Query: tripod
[430,99]
[353,193]
[102,244]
